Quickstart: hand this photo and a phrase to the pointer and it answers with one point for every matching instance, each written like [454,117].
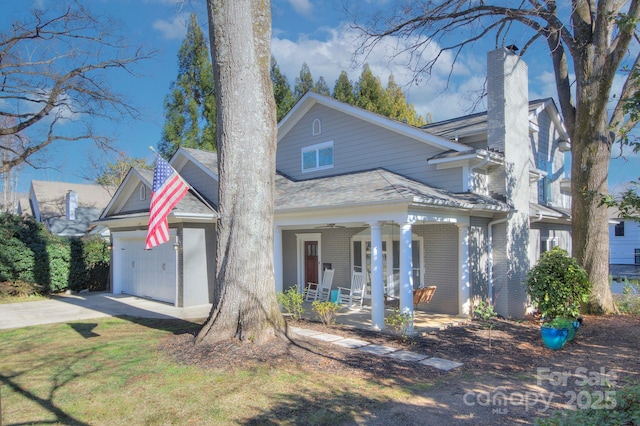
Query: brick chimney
[508,133]
[71,204]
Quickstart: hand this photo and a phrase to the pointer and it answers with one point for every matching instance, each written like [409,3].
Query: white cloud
[302,7]
[176,29]
[427,93]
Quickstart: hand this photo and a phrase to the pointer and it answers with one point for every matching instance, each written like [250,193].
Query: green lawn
[111,371]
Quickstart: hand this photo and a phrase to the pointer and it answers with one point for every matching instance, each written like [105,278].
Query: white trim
[300,240]
[277,259]
[377,283]
[464,280]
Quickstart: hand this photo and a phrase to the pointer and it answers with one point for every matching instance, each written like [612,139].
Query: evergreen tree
[397,106]
[189,108]
[304,82]
[370,94]
[343,90]
[281,90]
[321,87]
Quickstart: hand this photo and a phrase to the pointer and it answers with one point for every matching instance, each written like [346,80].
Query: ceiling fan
[329,226]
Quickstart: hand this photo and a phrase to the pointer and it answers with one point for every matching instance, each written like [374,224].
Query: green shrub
[486,312]
[558,285]
[89,267]
[291,301]
[399,321]
[29,253]
[326,311]
[622,409]
[628,302]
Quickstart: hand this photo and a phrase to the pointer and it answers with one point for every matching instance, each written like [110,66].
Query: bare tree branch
[54,68]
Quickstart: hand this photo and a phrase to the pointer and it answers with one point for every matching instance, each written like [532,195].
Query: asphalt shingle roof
[371,187]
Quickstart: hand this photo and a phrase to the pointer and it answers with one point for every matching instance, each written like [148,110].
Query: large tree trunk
[244,306]
[591,152]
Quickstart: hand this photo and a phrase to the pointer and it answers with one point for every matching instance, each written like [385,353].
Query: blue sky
[313,31]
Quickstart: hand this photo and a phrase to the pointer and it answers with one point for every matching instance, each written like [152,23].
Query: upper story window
[619,230]
[544,184]
[317,157]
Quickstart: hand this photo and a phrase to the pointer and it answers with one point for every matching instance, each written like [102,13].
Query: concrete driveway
[66,308]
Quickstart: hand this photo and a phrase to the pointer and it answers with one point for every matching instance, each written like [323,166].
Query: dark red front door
[310,262]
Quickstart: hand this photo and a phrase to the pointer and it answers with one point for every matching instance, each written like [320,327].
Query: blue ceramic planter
[554,338]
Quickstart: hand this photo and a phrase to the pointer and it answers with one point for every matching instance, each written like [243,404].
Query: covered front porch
[423,322]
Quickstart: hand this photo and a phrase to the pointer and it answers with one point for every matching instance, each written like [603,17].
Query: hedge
[30,253]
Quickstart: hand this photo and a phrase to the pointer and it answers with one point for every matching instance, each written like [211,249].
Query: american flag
[168,190]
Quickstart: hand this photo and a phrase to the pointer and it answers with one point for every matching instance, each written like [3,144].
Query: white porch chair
[355,294]
[321,291]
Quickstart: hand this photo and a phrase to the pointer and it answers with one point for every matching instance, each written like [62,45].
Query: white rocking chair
[320,291]
[355,294]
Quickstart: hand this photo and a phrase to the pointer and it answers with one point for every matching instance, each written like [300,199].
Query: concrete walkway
[66,308]
[378,350]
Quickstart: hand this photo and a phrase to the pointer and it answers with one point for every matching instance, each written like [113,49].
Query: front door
[310,262]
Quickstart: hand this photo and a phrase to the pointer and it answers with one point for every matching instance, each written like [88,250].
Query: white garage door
[145,273]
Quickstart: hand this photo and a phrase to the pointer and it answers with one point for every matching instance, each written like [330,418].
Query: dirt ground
[512,381]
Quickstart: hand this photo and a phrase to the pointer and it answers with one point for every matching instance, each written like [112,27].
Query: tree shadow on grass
[62,378]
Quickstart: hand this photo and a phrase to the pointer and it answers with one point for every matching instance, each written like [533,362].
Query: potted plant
[555,333]
[557,286]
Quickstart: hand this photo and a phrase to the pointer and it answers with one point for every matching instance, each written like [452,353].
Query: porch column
[406,273]
[277,258]
[464,280]
[377,280]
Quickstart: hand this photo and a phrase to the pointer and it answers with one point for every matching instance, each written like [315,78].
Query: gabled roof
[311,98]
[74,228]
[206,160]
[51,196]
[377,186]
[190,206]
[477,123]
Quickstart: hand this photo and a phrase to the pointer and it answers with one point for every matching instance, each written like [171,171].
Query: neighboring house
[467,204]
[624,247]
[67,209]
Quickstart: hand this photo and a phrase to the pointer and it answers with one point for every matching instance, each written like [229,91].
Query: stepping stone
[350,343]
[326,337]
[377,349]
[441,364]
[407,356]
[304,331]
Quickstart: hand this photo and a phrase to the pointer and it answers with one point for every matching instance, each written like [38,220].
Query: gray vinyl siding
[441,266]
[201,182]
[289,260]
[359,145]
[335,248]
[134,203]
[479,259]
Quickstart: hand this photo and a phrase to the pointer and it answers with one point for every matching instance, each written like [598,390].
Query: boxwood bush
[29,253]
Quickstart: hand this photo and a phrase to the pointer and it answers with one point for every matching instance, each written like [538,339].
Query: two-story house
[466,204]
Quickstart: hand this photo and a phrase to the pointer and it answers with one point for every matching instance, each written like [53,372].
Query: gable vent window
[316,127]
[143,192]
[317,157]
[619,230]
